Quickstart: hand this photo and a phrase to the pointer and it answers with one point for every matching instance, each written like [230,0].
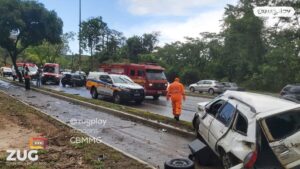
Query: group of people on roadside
[27,78]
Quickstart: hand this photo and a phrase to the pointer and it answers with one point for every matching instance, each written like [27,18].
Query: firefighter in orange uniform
[177,94]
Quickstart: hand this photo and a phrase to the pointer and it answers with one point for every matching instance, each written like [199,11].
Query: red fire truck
[150,76]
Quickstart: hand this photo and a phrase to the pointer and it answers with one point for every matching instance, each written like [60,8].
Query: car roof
[261,103]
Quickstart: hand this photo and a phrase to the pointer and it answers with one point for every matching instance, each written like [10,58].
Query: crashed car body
[257,130]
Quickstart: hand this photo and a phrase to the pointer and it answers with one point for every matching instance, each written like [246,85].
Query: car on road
[33,69]
[51,73]
[73,79]
[257,130]
[210,86]
[291,92]
[5,71]
[232,86]
[150,75]
[118,87]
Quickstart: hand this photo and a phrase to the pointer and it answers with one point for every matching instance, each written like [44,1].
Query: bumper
[218,90]
[156,92]
[131,96]
[50,79]
[7,73]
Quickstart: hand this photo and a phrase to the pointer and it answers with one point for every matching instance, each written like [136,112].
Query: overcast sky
[174,19]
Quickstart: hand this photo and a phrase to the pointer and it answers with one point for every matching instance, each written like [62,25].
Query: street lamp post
[79,60]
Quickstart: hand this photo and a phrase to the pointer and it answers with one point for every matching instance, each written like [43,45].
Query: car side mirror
[202,110]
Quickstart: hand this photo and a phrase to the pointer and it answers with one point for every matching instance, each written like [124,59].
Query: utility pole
[79,59]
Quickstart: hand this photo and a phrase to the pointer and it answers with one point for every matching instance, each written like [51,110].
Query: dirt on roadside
[19,123]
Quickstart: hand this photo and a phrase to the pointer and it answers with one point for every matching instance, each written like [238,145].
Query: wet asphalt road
[151,145]
[161,106]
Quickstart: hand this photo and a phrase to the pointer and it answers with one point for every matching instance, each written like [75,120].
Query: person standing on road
[38,78]
[27,78]
[177,94]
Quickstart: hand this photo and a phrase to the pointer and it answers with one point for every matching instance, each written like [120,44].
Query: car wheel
[156,97]
[94,93]
[211,91]
[117,98]
[226,160]
[64,85]
[179,163]
[192,89]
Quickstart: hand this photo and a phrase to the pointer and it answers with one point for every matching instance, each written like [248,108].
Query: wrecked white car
[257,130]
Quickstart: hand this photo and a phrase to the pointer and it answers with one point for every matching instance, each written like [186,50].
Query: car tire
[64,85]
[179,163]
[94,93]
[211,91]
[226,160]
[156,97]
[192,89]
[117,98]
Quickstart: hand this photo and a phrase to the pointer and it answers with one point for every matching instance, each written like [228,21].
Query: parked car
[232,86]
[291,92]
[118,87]
[257,130]
[5,71]
[32,70]
[81,73]
[210,86]
[73,80]
[51,73]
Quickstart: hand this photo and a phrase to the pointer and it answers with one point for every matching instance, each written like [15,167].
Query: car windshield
[122,79]
[284,125]
[155,75]
[32,68]
[6,69]
[50,69]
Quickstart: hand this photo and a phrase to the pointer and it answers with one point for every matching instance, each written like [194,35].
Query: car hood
[129,86]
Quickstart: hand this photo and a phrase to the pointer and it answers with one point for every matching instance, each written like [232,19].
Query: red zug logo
[38,143]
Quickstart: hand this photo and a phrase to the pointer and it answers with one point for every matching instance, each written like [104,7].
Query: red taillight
[250,159]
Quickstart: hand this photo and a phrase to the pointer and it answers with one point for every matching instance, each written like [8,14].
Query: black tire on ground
[192,89]
[211,91]
[156,97]
[117,98]
[43,82]
[94,93]
[64,85]
[179,163]
[226,160]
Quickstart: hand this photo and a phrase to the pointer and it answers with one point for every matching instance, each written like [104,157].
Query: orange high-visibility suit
[176,93]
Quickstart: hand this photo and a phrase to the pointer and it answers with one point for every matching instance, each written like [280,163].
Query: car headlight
[150,84]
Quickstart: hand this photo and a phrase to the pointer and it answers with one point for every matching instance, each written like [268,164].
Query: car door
[102,89]
[220,125]
[206,121]
[283,134]
[199,85]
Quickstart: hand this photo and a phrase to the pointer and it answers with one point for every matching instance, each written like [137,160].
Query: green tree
[93,32]
[26,23]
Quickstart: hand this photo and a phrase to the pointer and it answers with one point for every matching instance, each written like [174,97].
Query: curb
[142,120]
[107,144]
